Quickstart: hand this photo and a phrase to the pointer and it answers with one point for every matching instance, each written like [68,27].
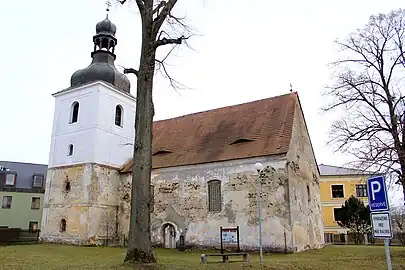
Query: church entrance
[169,236]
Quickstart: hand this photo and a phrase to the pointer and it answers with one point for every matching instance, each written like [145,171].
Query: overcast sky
[245,50]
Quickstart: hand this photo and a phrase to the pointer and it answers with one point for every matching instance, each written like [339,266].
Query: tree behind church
[355,216]
[368,89]
[153,15]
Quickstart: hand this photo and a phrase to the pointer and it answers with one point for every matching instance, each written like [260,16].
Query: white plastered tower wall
[92,132]
[100,147]
[95,137]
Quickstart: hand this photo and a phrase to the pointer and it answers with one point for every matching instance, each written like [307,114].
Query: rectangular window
[10,179]
[336,213]
[35,202]
[33,226]
[361,190]
[214,196]
[6,202]
[38,181]
[337,191]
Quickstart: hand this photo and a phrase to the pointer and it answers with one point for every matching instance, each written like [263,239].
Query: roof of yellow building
[326,170]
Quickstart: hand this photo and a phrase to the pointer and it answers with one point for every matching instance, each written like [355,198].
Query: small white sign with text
[381,223]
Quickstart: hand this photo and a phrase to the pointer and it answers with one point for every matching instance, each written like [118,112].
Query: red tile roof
[208,136]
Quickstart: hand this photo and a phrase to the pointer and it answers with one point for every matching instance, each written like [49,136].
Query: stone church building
[203,167]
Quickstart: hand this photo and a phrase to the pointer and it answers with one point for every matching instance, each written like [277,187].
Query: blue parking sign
[377,194]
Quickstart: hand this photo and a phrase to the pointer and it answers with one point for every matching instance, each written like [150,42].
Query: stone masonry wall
[181,199]
[304,189]
[89,207]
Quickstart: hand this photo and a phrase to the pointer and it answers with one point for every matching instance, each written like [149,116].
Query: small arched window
[74,112]
[214,196]
[118,115]
[70,150]
[63,225]
[67,186]
[308,194]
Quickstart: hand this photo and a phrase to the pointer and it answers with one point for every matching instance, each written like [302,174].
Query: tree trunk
[139,241]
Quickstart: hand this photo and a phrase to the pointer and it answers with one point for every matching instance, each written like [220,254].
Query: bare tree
[398,220]
[158,26]
[368,88]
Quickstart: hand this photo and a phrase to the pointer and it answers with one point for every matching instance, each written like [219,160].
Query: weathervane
[108,3]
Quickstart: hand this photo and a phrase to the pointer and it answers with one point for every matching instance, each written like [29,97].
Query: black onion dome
[106,27]
[101,69]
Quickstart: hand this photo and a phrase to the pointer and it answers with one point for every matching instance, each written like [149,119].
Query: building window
[38,181]
[63,225]
[336,213]
[361,190]
[67,186]
[214,196]
[118,115]
[337,191]
[6,202]
[10,179]
[35,202]
[33,226]
[70,150]
[308,194]
[74,114]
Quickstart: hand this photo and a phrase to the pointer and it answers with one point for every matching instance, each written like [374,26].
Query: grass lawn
[51,256]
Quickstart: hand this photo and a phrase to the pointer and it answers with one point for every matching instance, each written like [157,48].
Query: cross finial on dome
[108,3]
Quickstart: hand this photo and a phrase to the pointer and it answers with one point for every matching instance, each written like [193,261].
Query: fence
[17,235]
[360,239]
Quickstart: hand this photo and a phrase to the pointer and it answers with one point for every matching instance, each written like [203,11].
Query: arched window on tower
[308,193]
[214,196]
[70,150]
[63,225]
[118,115]
[74,112]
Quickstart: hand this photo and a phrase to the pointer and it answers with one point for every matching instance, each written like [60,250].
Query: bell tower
[92,135]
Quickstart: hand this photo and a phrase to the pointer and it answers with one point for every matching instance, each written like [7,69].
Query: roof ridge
[340,167]
[227,107]
[28,163]
[281,131]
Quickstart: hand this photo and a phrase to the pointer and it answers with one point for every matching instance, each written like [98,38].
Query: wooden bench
[225,256]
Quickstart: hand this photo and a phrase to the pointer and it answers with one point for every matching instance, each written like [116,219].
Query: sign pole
[380,215]
[387,253]
[259,198]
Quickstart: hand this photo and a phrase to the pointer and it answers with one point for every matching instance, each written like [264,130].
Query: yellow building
[337,185]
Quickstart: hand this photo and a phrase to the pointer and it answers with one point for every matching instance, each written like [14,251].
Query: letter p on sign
[375,188]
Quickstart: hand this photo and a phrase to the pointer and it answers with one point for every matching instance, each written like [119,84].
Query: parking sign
[377,194]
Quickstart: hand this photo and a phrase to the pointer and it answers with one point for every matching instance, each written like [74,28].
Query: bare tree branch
[368,88]
[140,4]
[130,70]
[158,21]
[166,41]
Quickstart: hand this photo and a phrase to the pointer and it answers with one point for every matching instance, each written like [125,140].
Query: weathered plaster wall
[304,189]
[181,199]
[89,208]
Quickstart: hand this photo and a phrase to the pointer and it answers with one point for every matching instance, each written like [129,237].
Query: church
[203,167]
